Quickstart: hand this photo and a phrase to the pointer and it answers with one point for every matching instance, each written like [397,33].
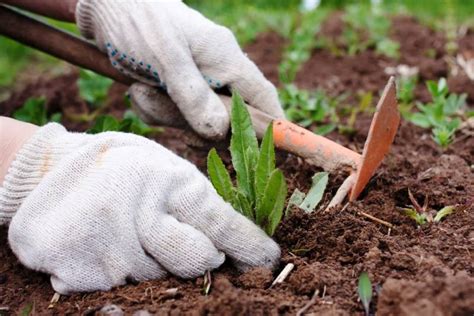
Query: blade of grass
[442,213]
[315,194]
[365,291]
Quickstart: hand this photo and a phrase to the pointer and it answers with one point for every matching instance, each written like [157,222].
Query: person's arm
[13,135]
[57,9]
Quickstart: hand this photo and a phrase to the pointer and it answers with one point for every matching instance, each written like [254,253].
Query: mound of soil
[415,271]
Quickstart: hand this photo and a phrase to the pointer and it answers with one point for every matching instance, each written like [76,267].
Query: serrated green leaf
[442,213]
[243,146]
[219,176]
[270,210]
[315,194]
[365,291]
[265,163]
[296,199]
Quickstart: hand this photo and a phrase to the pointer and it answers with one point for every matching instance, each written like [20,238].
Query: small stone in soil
[142,313]
[111,310]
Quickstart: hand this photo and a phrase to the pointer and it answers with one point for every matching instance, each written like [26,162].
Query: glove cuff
[85,18]
[94,15]
[31,163]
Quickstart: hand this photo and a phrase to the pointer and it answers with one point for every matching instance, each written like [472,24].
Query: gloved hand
[94,210]
[163,43]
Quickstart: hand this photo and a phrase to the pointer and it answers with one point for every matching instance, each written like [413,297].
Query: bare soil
[415,271]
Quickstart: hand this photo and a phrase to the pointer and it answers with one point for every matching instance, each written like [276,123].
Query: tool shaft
[58,43]
[316,149]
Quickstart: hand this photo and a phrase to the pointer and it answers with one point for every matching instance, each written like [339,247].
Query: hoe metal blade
[381,135]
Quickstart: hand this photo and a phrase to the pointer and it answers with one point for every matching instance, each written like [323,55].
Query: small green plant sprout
[307,108]
[27,310]
[365,28]
[130,123]
[34,111]
[303,40]
[261,189]
[416,212]
[442,213]
[364,288]
[422,215]
[309,202]
[364,106]
[442,115]
[406,94]
[93,88]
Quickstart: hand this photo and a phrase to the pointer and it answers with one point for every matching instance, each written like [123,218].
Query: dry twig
[54,300]
[207,282]
[375,219]
[283,274]
[310,303]
[342,192]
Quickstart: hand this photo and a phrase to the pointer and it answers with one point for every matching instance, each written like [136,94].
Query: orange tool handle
[317,149]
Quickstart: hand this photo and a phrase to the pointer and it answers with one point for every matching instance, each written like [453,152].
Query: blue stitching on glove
[212,82]
[148,69]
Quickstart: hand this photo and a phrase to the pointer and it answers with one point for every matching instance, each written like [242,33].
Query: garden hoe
[315,149]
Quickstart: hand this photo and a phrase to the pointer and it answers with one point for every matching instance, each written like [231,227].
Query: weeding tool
[315,149]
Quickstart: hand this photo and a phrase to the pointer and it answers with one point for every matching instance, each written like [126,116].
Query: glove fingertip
[211,120]
[269,257]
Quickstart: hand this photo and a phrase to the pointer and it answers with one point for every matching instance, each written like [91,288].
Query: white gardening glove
[164,43]
[95,210]
[155,107]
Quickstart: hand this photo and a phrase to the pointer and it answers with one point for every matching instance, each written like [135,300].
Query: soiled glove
[165,43]
[94,210]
